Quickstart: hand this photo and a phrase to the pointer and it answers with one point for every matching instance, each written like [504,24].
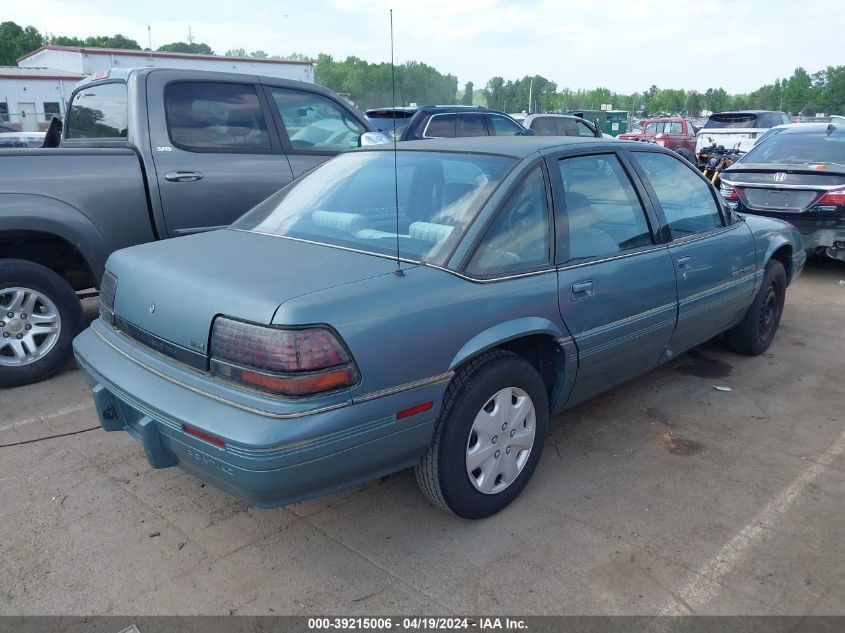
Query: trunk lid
[169,292]
[787,188]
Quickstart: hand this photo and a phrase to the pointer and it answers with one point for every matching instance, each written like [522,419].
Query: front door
[216,151]
[616,284]
[29,120]
[713,254]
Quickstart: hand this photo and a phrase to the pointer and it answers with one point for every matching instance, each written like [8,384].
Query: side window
[545,126]
[676,128]
[503,126]
[604,214]
[215,116]
[584,130]
[471,125]
[687,201]
[651,129]
[441,126]
[315,122]
[518,239]
[98,112]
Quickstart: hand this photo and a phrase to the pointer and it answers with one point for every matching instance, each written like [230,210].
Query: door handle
[582,289]
[684,263]
[183,176]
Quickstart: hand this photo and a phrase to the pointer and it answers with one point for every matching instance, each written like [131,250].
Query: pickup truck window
[314,122]
[98,111]
[676,128]
[215,116]
[686,199]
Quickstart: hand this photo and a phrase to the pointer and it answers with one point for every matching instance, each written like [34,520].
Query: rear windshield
[384,119]
[729,119]
[98,111]
[760,120]
[350,201]
[799,148]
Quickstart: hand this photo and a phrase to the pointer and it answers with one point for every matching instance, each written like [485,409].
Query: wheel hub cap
[501,440]
[29,326]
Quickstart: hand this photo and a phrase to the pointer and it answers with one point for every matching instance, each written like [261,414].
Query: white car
[738,129]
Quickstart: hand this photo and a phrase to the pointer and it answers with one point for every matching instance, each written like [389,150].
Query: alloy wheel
[29,326]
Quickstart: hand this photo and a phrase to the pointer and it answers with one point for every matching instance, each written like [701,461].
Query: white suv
[741,128]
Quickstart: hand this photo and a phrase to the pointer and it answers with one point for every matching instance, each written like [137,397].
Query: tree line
[377,84]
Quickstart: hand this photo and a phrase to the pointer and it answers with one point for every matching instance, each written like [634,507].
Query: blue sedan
[429,307]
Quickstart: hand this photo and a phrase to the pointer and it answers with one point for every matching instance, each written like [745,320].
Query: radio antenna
[398,272]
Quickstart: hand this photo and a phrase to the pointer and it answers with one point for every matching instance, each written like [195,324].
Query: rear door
[616,282]
[314,126]
[713,255]
[215,148]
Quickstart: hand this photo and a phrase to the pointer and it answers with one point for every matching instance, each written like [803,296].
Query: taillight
[287,361]
[728,192]
[108,288]
[832,198]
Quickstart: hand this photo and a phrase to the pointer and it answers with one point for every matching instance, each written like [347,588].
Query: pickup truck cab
[673,133]
[146,154]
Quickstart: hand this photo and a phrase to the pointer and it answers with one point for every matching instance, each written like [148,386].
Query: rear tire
[35,341]
[753,335]
[469,471]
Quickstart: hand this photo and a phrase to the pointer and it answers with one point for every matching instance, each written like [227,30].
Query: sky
[625,46]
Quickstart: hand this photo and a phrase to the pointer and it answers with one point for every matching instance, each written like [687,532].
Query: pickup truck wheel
[754,334]
[39,316]
[489,436]
[685,153]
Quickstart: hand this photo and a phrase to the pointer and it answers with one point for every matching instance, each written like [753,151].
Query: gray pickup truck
[145,154]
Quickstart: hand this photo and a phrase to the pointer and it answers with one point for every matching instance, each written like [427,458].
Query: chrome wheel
[29,326]
[501,440]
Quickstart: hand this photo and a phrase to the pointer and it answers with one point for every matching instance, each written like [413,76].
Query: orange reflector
[404,413]
[204,436]
[300,385]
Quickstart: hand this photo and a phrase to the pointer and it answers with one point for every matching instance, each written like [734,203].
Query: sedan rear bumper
[278,464]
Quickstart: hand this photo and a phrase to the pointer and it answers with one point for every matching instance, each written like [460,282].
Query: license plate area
[777,200]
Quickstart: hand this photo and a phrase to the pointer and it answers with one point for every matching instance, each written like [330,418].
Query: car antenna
[398,272]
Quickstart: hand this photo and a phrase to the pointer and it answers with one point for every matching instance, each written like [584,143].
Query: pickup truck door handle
[582,289]
[183,176]
[684,263]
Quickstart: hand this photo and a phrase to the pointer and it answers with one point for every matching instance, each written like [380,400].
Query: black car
[389,119]
[455,121]
[797,175]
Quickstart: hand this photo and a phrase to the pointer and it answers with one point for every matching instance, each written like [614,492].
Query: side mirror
[373,138]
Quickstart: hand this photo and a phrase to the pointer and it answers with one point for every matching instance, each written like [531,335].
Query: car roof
[810,128]
[514,146]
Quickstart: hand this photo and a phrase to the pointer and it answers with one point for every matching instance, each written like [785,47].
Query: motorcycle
[714,159]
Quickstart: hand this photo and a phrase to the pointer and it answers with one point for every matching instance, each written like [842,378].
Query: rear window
[98,111]
[350,201]
[799,148]
[384,119]
[745,120]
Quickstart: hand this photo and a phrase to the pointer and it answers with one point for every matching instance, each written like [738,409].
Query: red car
[675,133]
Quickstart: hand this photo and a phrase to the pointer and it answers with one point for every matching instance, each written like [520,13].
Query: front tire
[753,335]
[488,438]
[39,316]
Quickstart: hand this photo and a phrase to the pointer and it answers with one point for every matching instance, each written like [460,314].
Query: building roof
[15,72]
[154,54]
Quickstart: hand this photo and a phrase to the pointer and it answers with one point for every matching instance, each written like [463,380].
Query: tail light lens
[286,361]
[108,288]
[833,198]
[728,192]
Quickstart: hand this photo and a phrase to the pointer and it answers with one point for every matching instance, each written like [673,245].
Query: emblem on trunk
[780,176]
[152,308]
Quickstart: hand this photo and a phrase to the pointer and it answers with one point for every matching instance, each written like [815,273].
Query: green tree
[259,54]
[16,41]
[235,52]
[469,93]
[185,47]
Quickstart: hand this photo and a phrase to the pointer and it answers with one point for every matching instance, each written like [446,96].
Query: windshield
[799,148]
[733,119]
[350,201]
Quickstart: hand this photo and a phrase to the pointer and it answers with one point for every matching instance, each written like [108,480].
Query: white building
[29,97]
[87,61]
[40,85]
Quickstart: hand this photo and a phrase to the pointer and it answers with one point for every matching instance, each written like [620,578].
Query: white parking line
[47,416]
[701,589]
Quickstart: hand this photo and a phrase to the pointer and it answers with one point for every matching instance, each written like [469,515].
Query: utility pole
[530,95]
